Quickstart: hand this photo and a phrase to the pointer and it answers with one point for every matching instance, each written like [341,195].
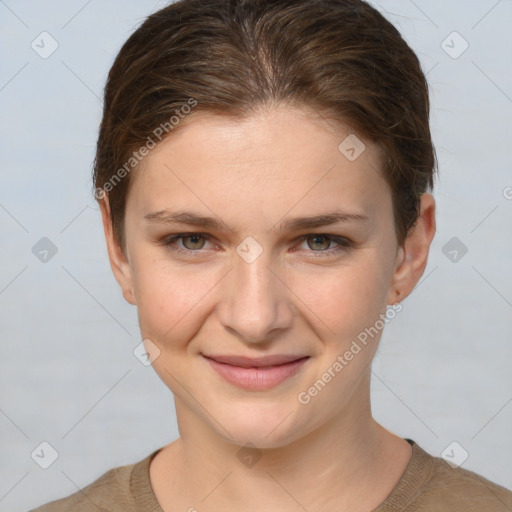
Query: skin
[253,175]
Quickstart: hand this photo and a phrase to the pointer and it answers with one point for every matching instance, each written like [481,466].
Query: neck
[349,462]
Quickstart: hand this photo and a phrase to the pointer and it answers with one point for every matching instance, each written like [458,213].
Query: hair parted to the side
[341,58]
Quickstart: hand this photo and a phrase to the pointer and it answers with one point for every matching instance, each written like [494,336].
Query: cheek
[170,300]
[344,300]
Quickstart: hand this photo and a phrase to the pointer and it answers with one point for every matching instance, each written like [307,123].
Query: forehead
[272,161]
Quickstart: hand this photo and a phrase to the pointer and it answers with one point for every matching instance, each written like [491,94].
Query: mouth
[256,374]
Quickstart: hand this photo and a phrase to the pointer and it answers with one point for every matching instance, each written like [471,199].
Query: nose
[256,303]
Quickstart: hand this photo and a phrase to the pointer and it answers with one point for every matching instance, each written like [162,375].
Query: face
[260,238]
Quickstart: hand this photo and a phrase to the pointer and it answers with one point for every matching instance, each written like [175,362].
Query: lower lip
[257,379]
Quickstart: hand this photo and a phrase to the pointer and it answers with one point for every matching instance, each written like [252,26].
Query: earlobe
[412,257]
[118,262]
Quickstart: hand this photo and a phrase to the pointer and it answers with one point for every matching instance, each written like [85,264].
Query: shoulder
[111,492]
[459,486]
[440,486]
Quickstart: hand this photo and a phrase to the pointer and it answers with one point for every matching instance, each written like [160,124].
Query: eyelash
[344,243]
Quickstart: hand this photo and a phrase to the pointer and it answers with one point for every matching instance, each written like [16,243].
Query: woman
[264,172]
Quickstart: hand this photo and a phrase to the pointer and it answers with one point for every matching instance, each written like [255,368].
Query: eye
[190,242]
[322,244]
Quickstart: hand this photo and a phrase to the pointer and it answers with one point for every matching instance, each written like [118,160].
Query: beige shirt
[428,484]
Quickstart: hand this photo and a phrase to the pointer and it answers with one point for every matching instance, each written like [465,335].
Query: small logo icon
[455,454]
[454,45]
[249,250]
[507,192]
[351,147]
[44,45]
[44,250]
[44,455]
[454,249]
[146,352]
[249,455]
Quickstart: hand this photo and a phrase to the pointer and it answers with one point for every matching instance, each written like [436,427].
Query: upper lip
[249,362]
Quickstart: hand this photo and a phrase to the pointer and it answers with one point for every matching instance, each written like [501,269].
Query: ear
[118,261]
[413,255]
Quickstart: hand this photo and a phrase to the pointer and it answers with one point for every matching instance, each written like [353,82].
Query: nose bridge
[255,302]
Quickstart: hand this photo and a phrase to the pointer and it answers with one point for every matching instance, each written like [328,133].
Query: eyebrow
[296,224]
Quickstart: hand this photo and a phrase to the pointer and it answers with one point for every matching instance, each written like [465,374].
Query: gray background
[68,374]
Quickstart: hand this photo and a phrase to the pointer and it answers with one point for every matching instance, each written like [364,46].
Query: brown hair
[231,57]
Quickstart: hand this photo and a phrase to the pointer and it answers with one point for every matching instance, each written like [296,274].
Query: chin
[263,426]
